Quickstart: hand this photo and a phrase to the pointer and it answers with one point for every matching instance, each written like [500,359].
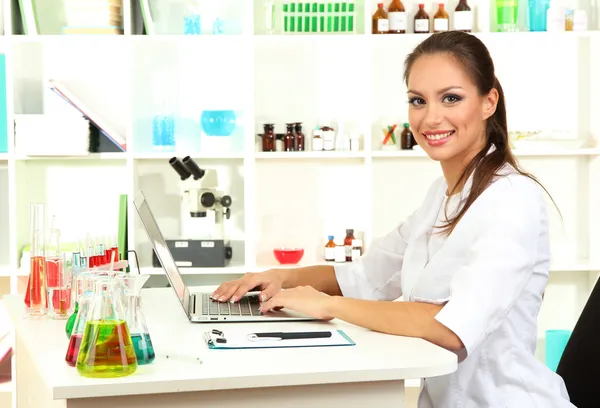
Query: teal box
[3,112]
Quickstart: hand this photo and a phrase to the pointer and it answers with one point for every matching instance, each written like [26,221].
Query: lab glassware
[538,10]
[36,295]
[506,15]
[78,328]
[59,272]
[140,336]
[163,132]
[106,350]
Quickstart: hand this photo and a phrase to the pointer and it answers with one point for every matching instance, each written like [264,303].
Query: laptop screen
[162,251]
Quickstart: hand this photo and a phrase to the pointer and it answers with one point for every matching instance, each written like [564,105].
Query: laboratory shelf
[205,156]
[310,155]
[90,156]
[5,271]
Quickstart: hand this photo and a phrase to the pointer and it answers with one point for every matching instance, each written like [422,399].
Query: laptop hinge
[193,305]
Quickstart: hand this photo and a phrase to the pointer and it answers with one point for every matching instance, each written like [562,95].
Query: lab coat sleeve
[502,256]
[376,275]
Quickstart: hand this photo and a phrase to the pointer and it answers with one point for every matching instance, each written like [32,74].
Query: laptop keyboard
[246,306]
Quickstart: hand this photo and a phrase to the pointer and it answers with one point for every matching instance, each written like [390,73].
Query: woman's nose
[433,115]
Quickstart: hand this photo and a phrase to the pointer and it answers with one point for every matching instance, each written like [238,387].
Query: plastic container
[288,255]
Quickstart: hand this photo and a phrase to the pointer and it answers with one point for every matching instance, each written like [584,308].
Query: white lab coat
[491,273]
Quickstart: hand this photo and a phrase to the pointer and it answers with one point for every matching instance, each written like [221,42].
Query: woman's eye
[416,101]
[452,98]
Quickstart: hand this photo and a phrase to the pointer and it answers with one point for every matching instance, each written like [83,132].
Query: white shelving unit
[289,198]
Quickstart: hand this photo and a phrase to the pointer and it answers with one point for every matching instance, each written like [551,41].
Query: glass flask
[140,336]
[78,328]
[106,350]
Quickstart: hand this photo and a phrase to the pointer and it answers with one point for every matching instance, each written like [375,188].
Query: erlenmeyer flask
[106,350]
[78,328]
[140,336]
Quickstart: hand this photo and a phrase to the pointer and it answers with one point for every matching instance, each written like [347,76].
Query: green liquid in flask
[106,350]
[143,348]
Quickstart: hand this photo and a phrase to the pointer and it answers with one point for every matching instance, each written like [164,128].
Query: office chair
[579,365]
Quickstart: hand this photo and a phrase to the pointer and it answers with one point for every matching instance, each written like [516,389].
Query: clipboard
[217,340]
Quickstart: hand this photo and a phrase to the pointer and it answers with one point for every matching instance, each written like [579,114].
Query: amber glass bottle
[406,138]
[289,139]
[348,244]
[299,137]
[441,20]
[463,17]
[397,17]
[268,139]
[381,24]
[330,249]
[421,20]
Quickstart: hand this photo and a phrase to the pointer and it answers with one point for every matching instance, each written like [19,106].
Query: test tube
[36,297]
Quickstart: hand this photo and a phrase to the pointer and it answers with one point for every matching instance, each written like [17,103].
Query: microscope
[203,212]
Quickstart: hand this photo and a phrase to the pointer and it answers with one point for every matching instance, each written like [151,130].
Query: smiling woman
[476,288]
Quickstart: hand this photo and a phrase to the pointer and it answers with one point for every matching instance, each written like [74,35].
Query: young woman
[472,262]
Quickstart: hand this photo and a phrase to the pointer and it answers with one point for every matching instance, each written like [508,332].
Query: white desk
[372,373]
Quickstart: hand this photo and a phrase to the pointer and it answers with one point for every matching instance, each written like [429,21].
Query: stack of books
[94,17]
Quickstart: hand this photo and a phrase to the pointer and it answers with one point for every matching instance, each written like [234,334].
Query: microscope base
[198,253]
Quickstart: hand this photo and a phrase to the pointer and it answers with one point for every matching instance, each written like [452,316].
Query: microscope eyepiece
[193,168]
[180,168]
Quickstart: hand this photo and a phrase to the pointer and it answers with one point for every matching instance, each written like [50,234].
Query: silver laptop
[198,306]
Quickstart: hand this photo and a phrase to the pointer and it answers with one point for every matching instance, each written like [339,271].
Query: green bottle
[506,15]
[71,321]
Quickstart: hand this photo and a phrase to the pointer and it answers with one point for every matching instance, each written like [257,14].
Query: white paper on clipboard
[92,116]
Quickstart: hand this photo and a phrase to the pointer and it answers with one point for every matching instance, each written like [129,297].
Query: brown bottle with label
[381,24]
[441,20]
[463,17]
[268,138]
[406,138]
[397,17]
[422,20]
[348,244]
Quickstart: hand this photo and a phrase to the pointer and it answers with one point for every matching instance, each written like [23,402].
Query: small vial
[356,249]
[330,249]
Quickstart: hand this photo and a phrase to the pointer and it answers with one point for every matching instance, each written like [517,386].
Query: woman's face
[446,113]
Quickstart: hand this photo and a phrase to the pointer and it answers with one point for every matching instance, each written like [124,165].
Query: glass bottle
[78,328]
[289,139]
[381,24]
[441,21]
[463,17]
[348,244]
[140,336]
[269,16]
[506,15]
[406,138]
[299,137]
[268,139]
[106,349]
[330,249]
[36,295]
[397,17]
[317,141]
[421,20]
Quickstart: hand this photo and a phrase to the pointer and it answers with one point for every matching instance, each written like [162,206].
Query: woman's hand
[302,299]
[268,282]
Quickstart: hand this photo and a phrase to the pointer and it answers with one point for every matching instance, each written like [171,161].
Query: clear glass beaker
[59,275]
[83,307]
[140,336]
[106,349]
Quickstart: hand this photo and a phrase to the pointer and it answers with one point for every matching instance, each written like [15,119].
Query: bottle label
[440,24]
[463,20]
[355,255]
[383,25]
[329,254]
[397,20]
[348,251]
[422,25]
[317,144]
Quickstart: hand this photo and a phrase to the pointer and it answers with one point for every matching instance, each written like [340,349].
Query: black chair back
[579,365]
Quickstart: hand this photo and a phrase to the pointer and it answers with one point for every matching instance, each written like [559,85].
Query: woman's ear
[490,102]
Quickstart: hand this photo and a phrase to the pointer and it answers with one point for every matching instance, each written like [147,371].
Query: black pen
[289,335]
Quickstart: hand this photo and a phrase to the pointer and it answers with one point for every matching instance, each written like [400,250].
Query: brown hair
[475,58]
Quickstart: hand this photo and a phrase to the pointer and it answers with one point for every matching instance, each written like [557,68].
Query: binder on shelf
[216,339]
[103,127]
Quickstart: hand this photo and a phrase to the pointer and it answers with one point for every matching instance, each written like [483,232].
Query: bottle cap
[356,242]
[349,231]
[330,237]
[406,125]
[380,5]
